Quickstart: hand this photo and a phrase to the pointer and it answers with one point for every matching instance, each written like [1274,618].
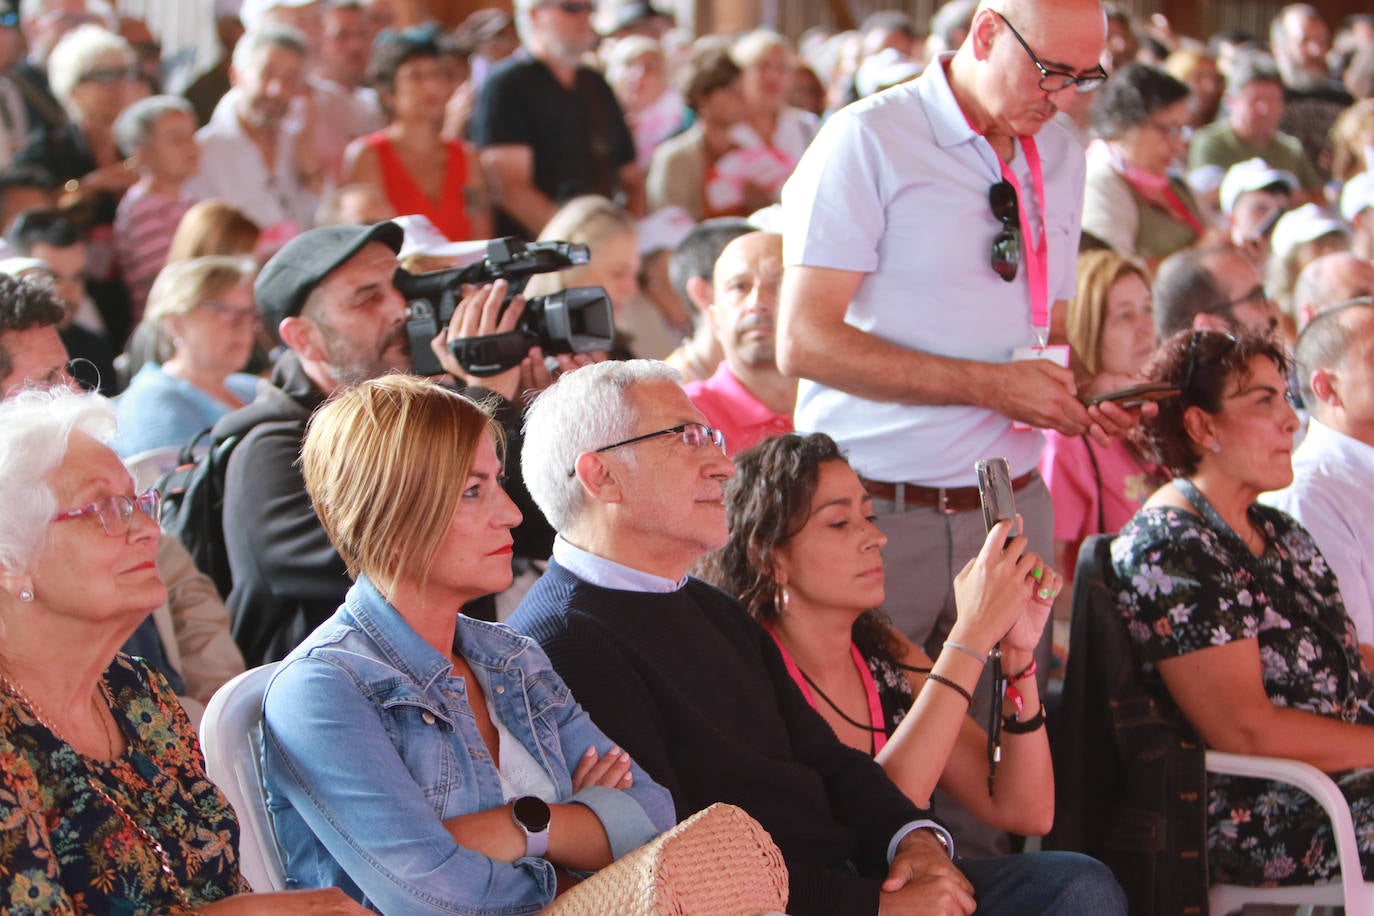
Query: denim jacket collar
[402,647]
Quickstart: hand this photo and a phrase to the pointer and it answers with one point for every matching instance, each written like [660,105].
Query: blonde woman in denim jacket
[423,761]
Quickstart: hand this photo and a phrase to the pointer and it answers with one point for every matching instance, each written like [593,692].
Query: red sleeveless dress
[447,213]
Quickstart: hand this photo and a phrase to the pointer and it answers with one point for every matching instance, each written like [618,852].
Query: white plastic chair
[231,737]
[1352,891]
[146,467]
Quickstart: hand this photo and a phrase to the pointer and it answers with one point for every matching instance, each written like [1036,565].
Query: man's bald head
[1331,280]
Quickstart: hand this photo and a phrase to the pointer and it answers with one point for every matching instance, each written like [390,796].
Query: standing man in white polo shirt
[931,240]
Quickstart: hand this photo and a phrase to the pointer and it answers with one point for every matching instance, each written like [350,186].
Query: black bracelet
[941,679]
[1014,726]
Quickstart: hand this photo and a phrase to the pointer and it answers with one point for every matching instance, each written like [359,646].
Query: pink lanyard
[875,704]
[1036,248]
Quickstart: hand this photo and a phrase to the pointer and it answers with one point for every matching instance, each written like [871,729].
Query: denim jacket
[370,744]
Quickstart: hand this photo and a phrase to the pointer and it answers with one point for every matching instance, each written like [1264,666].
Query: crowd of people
[739,553]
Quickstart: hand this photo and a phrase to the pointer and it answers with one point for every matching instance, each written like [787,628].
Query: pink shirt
[1068,471]
[731,407]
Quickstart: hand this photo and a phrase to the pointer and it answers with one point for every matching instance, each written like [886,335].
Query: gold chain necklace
[164,859]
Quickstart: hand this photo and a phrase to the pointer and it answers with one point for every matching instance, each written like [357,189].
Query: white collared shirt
[232,169]
[895,187]
[1332,496]
[606,573]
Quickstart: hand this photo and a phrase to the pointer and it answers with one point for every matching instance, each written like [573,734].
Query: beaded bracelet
[941,679]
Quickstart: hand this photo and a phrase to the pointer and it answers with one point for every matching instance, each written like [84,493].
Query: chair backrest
[1130,781]
[146,467]
[231,737]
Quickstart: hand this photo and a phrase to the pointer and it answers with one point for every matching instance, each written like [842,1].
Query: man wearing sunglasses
[187,639]
[548,126]
[931,241]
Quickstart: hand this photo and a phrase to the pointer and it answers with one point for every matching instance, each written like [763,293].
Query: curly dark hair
[1203,365]
[24,305]
[767,503]
[392,50]
[1132,95]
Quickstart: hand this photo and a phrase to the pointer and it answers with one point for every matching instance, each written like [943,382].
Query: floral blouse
[65,849]
[1185,583]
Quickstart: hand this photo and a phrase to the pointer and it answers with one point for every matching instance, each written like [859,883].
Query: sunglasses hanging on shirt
[1006,245]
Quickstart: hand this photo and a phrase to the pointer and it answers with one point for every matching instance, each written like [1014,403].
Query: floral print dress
[65,849]
[1185,583]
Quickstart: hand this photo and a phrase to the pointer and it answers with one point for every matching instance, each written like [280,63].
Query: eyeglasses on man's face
[116,513]
[1052,80]
[1006,245]
[693,435]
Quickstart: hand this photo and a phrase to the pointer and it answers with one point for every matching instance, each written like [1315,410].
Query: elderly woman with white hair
[91,71]
[203,320]
[104,802]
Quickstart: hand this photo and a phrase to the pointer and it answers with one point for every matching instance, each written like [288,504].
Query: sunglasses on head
[573,7]
[1006,245]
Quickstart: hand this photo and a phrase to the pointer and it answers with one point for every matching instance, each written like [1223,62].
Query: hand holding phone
[995,493]
[1134,395]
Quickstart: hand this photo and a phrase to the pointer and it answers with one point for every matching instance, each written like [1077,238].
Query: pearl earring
[26,594]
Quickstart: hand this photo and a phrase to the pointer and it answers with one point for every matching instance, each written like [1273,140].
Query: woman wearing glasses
[1132,201]
[104,802]
[203,320]
[425,761]
[1236,614]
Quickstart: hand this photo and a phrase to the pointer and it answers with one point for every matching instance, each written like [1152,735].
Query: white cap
[664,229]
[252,11]
[423,238]
[886,68]
[1357,194]
[1301,225]
[1205,179]
[1252,175]
[19,266]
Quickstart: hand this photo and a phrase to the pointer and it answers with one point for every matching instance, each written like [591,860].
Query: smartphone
[994,491]
[1135,395]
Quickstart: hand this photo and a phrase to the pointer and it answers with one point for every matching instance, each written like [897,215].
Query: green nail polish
[1038,572]
[1044,593]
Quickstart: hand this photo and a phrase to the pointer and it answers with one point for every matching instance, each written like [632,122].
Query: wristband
[1014,726]
[1028,671]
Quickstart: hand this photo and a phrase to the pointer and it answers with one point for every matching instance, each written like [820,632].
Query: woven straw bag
[718,861]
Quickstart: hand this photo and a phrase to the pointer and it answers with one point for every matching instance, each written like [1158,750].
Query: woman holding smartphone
[805,558]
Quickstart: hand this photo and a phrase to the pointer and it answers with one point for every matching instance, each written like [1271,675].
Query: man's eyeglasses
[573,7]
[108,75]
[693,435]
[1057,80]
[1006,245]
[1256,295]
[116,513]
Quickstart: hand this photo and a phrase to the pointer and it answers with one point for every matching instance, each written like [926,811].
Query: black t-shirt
[578,135]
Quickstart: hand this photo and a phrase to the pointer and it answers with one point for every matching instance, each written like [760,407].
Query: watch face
[531,813]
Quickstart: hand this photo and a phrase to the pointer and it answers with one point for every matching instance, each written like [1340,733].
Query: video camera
[574,320]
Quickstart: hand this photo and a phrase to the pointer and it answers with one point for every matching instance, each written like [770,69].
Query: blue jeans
[1062,883]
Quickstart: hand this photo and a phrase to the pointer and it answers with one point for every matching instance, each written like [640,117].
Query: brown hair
[767,503]
[213,227]
[1098,272]
[384,463]
[181,286]
[1203,365]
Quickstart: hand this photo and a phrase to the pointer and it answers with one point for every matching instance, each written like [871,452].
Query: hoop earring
[781,599]
[26,594]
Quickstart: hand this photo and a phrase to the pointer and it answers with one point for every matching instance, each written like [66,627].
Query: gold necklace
[164,859]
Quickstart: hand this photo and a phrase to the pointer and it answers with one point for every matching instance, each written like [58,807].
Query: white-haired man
[626,469]
[548,126]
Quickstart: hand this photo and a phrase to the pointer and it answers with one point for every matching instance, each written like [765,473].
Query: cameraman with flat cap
[328,296]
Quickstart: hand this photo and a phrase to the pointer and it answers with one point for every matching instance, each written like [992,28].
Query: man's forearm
[530,206]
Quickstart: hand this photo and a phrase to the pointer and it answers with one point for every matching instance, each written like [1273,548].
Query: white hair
[35,429]
[750,47]
[276,36]
[589,408]
[135,123]
[73,55]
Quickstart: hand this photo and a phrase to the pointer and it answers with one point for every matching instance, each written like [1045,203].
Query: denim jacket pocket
[425,736]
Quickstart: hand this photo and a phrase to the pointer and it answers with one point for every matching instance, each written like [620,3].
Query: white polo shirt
[1332,496]
[896,186]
